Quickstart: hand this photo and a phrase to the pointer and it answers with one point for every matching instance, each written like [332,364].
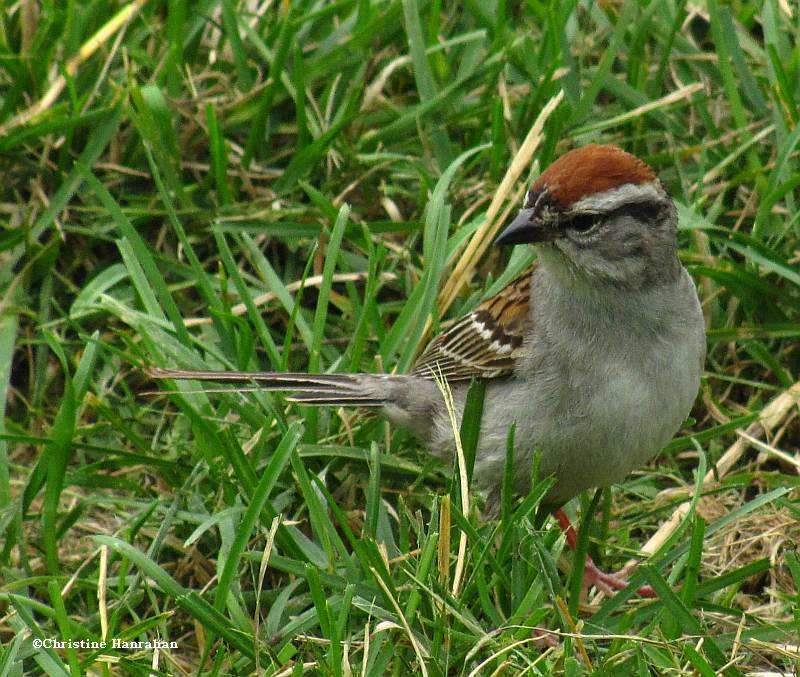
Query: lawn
[263,185]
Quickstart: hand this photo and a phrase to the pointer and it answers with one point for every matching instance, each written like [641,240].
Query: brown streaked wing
[485,343]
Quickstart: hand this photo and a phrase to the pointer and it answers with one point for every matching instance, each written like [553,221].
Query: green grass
[210,188]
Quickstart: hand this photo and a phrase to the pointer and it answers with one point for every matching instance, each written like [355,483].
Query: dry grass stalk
[483,237]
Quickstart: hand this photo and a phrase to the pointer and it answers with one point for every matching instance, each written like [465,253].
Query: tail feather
[309,389]
[336,400]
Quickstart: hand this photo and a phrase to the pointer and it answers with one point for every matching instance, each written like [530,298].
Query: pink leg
[545,638]
[592,574]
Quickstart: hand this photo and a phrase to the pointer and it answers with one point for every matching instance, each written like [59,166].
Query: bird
[594,353]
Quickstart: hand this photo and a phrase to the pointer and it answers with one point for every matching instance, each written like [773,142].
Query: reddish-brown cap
[590,170]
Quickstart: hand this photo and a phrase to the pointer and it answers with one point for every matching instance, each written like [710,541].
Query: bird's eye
[583,222]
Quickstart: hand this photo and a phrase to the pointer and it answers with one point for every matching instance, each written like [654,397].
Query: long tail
[312,389]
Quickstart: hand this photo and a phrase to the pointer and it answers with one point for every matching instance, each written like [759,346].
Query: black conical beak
[527,226]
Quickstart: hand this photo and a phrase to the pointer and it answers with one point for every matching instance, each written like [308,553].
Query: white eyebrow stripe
[629,193]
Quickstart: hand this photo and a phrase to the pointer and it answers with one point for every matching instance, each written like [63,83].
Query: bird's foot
[592,574]
[609,583]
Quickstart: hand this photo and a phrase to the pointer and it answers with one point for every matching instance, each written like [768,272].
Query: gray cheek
[624,238]
[631,245]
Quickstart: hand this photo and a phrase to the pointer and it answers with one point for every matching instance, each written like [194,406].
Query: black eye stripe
[644,211]
[584,221]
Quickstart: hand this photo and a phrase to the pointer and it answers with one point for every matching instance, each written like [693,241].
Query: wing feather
[485,343]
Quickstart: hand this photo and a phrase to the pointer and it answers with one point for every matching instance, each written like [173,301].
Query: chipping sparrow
[595,352]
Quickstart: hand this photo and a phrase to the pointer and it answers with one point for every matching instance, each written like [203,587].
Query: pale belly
[586,436]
